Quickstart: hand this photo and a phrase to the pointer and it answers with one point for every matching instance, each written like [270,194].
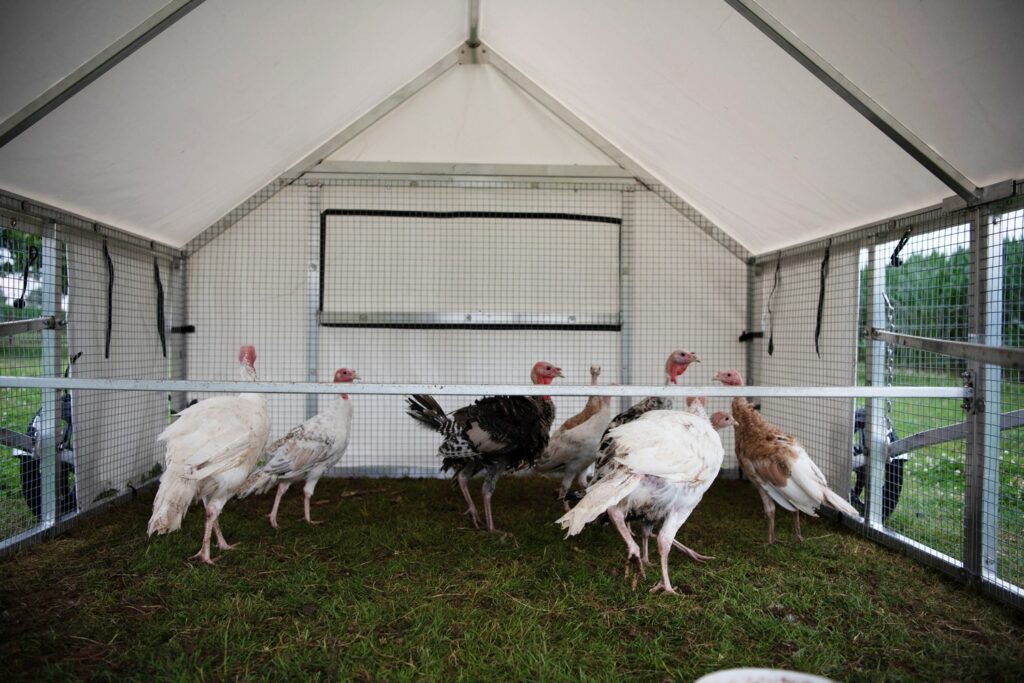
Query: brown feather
[763,450]
[592,408]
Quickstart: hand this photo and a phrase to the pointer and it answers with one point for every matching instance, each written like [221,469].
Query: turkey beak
[355,377]
[695,359]
[558,372]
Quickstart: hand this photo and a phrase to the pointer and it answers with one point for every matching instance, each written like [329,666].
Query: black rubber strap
[821,296]
[110,297]
[160,307]
[771,317]
[33,256]
[895,259]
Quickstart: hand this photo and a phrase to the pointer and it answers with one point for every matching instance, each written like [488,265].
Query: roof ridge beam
[104,61]
[856,98]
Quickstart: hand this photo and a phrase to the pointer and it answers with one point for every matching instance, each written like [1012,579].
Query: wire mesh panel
[1003,501]
[471,281]
[457,282]
[927,288]
[21,486]
[117,329]
[801,347]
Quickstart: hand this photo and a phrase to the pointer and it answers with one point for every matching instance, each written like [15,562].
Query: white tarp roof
[472,115]
[238,91]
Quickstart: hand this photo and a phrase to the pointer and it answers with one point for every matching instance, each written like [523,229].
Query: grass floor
[394,585]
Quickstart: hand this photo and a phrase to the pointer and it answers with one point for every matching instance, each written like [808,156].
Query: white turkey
[695,405]
[656,467]
[211,449]
[574,445]
[306,452]
[778,465]
[493,435]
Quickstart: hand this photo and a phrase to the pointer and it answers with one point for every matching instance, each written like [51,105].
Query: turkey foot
[661,588]
[631,560]
[693,554]
[204,555]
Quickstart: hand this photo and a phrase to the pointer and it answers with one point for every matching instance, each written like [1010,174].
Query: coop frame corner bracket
[474,54]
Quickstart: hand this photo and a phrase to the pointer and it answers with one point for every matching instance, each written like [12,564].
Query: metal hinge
[973,404]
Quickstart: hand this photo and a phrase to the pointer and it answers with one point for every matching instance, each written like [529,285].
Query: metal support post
[748,349]
[975,376]
[876,451]
[179,317]
[626,231]
[313,296]
[49,424]
[981,513]
[992,269]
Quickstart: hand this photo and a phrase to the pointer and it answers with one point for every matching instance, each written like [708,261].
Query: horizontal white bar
[480,389]
[529,170]
[458,319]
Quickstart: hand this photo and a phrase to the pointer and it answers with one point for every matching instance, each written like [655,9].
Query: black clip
[895,259]
[33,256]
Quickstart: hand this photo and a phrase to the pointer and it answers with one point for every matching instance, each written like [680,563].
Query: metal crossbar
[1006,356]
[482,389]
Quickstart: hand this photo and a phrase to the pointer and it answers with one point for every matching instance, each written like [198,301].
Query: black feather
[522,423]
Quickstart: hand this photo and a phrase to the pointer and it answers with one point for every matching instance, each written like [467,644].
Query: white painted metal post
[178,343]
[977,432]
[49,424]
[992,272]
[313,297]
[876,450]
[627,231]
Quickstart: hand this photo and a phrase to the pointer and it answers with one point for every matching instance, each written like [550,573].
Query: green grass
[395,586]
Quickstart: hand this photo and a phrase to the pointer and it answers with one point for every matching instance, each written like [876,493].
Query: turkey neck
[745,414]
[547,408]
[248,374]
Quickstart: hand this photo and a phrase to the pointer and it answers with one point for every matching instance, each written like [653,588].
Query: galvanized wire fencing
[429,281]
[925,288]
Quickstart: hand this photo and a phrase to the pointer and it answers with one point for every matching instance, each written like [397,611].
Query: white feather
[211,449]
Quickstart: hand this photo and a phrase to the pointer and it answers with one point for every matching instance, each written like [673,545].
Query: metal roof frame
[104,61]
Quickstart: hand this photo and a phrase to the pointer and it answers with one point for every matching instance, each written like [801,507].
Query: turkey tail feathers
[836,501]
[601,495]
[259,482]
[171,503]
[428,412]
